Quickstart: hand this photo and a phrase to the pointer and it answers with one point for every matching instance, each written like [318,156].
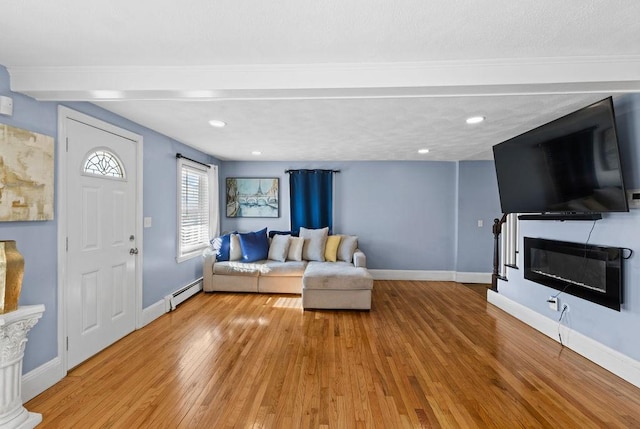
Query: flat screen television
[570,166]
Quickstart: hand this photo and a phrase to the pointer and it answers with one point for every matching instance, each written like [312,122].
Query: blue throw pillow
[222,245]
[255,246]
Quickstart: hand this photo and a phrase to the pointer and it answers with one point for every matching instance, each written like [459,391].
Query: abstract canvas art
[26,175]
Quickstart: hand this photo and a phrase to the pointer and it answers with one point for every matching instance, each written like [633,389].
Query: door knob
[133,251]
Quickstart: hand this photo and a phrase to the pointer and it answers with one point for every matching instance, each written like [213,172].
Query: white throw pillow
[348,245]
[315,241]
[295,249]
[235,249]
[279,247]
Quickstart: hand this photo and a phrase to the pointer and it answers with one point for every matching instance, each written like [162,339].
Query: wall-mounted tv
[570,165]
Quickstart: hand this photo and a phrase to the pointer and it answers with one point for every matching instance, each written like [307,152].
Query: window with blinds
[193,209]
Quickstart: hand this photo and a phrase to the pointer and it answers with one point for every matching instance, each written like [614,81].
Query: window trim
[181,255]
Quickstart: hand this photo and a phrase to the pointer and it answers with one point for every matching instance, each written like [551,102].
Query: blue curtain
[311,194]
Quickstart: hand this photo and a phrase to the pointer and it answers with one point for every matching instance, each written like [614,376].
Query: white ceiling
[330,80]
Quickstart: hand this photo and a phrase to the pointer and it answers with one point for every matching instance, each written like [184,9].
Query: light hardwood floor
[428,354]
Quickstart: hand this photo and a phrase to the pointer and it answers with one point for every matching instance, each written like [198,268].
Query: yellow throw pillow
[331,248]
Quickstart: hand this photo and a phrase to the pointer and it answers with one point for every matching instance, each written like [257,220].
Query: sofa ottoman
[337,286]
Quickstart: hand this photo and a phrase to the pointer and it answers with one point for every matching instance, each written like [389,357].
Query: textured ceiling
[357,129]
[413,70]
[206,32]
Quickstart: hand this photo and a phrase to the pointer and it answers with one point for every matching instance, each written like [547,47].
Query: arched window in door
[103,163]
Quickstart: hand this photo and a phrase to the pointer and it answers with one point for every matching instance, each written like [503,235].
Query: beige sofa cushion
[235,268]
[348,245]
[336,275]
[261,268]
[235,250]
[315,241]
[279,247]
[295,249]
[284,269]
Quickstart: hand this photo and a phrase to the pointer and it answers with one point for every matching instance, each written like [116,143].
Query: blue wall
[618,330]
[409,216]
[405,213]
[37,241]
[477,200]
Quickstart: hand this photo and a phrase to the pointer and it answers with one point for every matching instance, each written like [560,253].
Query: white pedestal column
[14,327]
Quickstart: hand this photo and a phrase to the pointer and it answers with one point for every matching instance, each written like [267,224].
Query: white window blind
[193,209]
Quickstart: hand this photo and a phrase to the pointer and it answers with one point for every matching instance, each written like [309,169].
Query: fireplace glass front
[590,272]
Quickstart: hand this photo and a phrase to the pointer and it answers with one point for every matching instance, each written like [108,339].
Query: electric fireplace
[586,271]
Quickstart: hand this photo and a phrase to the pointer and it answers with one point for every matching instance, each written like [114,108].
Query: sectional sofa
[328,271]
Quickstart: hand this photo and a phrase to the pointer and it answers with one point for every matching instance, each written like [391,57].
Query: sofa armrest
[359,259]
[207,271]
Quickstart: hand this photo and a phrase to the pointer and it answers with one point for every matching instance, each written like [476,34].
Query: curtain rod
[179,155]
[290,171]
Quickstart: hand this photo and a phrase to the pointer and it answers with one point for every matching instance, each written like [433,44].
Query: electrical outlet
[633,195]
[553,303]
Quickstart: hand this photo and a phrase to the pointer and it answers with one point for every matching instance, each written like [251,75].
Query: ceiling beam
[615,74]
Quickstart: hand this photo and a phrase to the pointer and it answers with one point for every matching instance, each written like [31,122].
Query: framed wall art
[253,197]
[26,175]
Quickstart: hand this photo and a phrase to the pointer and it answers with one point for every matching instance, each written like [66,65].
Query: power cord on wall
[564,309]
[585,261]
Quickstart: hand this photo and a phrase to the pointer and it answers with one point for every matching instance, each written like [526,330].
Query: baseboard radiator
[173,300]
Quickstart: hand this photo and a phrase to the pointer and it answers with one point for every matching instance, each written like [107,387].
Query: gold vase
[11,273]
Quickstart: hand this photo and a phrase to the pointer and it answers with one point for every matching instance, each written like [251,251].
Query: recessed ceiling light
[423,151]
[256,153]
[217,123]
[475,119]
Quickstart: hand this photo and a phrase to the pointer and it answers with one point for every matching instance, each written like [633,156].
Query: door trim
[65,113]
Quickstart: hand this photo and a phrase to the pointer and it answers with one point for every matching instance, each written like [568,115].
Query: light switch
[6,106]
[480,223]
[147,222]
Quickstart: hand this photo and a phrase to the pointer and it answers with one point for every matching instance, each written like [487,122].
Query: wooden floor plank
[427,355]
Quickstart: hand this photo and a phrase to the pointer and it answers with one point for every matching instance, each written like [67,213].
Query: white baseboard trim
[442,276]
[41,378]
[473,277]
[152,312]
[412,275]
[171,301]
[621,365]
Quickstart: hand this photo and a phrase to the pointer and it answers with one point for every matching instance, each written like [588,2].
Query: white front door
[101,227]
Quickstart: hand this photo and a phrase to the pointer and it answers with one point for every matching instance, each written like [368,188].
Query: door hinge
[67,343]
[67,244]
[67,144]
